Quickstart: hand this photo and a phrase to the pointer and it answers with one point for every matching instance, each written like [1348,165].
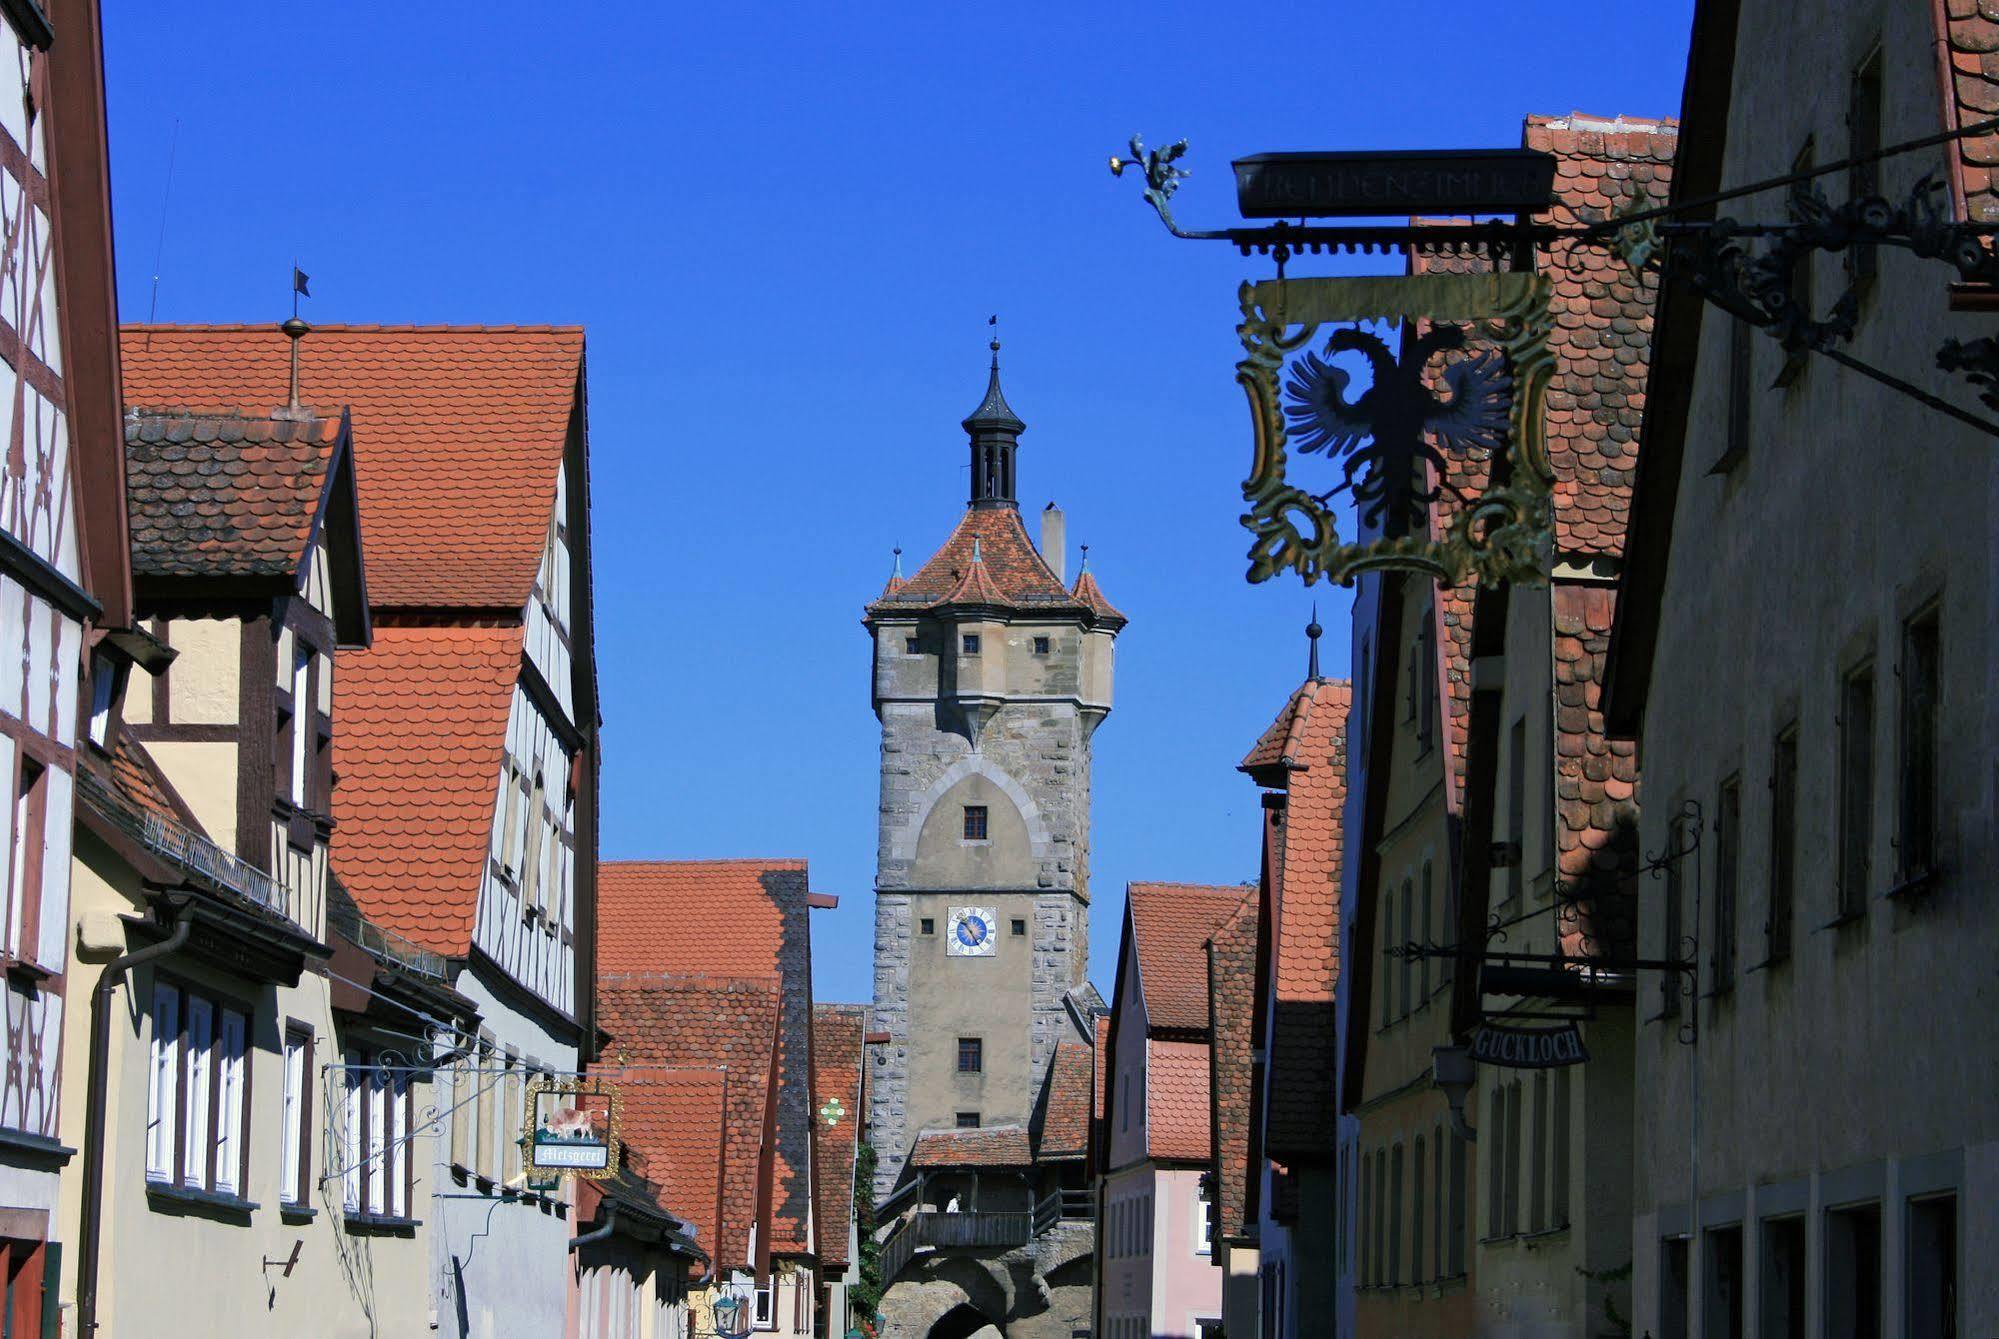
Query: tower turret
[995,431]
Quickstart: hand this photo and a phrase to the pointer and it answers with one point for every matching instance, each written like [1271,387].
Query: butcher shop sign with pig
[572,1127]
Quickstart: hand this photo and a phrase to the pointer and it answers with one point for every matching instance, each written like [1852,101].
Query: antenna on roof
[166,198]
[295,330]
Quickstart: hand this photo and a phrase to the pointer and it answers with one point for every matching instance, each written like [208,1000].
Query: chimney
[1054,541]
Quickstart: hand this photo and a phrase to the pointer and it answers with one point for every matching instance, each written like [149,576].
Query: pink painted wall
[1186,1282]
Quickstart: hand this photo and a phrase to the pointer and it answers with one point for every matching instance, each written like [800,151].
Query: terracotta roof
[725,1023]
[1176,1100]
[1306,937]
[1100,1064]
[132,774]
[1087,591]
[837,1030]
[1169,923]
[1014,571]
[462,432]
[1065,1113]
[1968,52]
[1596,784]
[1602,310]
[992,1146]
[1279,744]
[225,495]
[1231,1071]
[418,744]
[729,918]
[674,1117]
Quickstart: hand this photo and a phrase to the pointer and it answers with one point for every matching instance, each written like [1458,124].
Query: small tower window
[1019,928]
[975,822]
[912,646]
[929,926]
[971,1055]
[1041,646]
[970,642]
[968,1120]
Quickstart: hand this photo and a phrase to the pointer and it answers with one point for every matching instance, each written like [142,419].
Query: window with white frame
[302,708]
[295,1184]
[766,1304]
[196,1109]
[376,1175]
[1204,1224]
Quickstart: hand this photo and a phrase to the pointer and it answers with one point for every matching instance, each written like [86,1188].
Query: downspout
[609,1225]
[92,1226]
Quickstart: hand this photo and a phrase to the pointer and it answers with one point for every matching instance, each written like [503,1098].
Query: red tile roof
[726,1023]
[1279,745]
[837,1032]
[1596,784]
[1968,52]
[729,918]
[225,495]
[674,1117]
[1231,1071]
[1602,311]
[132,774]
[1100,1065]
[1169,924]
[1306,936]
[460,429]
[1086,591]
[1015,576]
[418,745]
[992,1146]
[1065,1115]
[1176,1101]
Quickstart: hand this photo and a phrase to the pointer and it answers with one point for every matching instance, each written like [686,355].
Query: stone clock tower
[990,677]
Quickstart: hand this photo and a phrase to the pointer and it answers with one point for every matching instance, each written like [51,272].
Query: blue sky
[784,227]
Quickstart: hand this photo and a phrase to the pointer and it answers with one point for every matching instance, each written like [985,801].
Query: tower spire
[995,431]
[1312,634]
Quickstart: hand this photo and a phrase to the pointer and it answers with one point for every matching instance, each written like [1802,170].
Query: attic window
[970,643]
[1041,646]
[975,822]
[968,1120]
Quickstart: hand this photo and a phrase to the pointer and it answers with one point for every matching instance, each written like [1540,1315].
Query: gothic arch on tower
[1040,843]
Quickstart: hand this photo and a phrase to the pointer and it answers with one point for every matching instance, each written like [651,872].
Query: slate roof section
[674,1117]
[1596,785]
[1066,1097]
[837,1052]
[1231,1068]
[1176,1101]
[224,494]
[1018,577]
[708,1021]
[464,429]
[1968,53]
[418,745]
[992,1146]
[745,918]
[1170,922]
[1306,937]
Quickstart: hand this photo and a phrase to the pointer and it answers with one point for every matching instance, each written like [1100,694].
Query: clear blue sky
[784,227]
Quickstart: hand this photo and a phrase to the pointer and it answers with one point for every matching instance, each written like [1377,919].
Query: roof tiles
[1596,784]
[992,1146]
[1176,1101]
[1169,924]
[1015,575]
[1968,50]
[1065,1119]
[1231,1071]
[674,1117]
[837,1033]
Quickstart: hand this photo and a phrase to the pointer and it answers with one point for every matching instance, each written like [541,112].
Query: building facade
[1802,649]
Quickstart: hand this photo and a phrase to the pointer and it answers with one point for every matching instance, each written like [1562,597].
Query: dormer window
[970,643]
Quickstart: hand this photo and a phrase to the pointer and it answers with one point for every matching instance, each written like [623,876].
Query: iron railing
[345,919]
[979,1231]
[185,848]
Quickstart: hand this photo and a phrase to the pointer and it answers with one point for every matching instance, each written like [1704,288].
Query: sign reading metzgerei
[1529,1048]
[1422,181]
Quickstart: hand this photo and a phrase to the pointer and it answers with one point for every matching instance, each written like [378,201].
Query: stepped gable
[422,733]
[464,427]
[226,494]
[674,1118]
[1169,924]
[729,1023]
[1018,576]
[838,1034]
[746,918]
[1231,1070]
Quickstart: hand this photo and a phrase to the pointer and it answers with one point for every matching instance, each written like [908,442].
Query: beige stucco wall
[205,676]
[991,998]
[204,775]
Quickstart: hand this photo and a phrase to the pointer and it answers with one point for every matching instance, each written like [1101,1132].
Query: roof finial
[1313,632]
[975,550]
[897,573]
[1083,566]
[993,321]
[295,331]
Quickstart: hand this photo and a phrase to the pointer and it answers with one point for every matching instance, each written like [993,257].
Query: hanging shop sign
[1421,181]
[734,1308]
[570,1127]
[1528,1048]
[1443,455]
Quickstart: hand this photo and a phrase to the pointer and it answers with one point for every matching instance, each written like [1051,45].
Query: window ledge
[1535,1240]
[1769,963]
[209,1203]
[1857,916]
[24,970]
[1917,881]
[34,1147]
[380,1224]
[297,1213]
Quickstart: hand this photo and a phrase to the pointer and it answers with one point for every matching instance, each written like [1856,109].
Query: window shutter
[162,1098]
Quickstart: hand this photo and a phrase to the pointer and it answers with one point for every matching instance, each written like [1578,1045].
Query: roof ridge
[768,862]
[357,327]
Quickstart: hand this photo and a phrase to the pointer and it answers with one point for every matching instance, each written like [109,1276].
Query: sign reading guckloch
[1529,1048]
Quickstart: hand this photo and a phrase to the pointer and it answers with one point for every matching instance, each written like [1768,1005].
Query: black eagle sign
[1398,425]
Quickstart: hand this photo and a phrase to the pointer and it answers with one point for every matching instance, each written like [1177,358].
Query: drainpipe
[92,1227]
[609,1226]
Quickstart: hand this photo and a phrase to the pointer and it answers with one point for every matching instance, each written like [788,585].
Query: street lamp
[1453,1070]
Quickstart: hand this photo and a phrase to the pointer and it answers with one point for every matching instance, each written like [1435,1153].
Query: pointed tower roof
[1282,747]
[976,586]
[994,414]
[896,580]
[1087,592]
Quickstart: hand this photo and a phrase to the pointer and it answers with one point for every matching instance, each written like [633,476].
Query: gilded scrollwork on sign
[1395,439]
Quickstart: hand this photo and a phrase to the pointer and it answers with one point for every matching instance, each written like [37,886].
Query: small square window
[929,926]
[970,642]
[971,1055]
[1041,646]
[912,646]
[968,1120]
[975,822]
[1019,927]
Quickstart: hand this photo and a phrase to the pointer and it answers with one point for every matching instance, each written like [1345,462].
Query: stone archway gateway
[965,1321]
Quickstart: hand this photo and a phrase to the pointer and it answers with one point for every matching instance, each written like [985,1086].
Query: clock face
[971,932]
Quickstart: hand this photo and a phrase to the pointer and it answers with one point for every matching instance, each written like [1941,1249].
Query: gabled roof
[1176,1101]
[1018,576]
[1169,924]
[990,1146]
[1064,1127]
[675,1116]
[464,430]
[1231,1071]
[746,918]
[838,1031]
[422,729]
[1279,746]
[725,1023]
